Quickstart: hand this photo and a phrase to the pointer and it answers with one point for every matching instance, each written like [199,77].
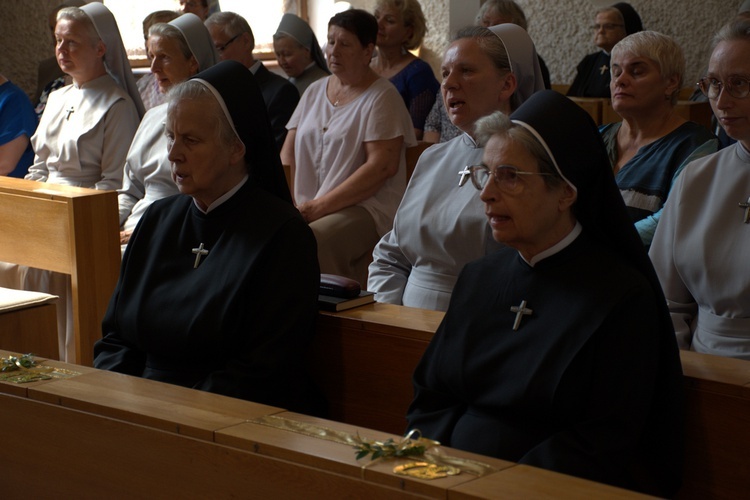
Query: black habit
[239,323]
[592,77]
[589,383]
[223,301]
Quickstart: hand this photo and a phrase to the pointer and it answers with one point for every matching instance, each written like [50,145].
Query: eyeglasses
[736,86]
[606,26]
[506,176]
[221,48]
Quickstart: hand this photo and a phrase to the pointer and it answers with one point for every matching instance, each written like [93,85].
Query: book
[329,303]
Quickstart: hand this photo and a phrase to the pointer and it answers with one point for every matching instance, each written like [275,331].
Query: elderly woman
[86,128]
[540,358]
[699,247]
[401,28]
[494,12]
[438,127]
[148,86]
[611,25]
[298,53]
[346,146]
[649,148]
[218,287]
[178,50]
[84,134]
[440,227]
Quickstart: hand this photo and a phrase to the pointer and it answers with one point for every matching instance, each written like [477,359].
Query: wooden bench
[592,105]
[600,109]
[68,230]
[364,359]
[28,322]
[126,437]
[412,156]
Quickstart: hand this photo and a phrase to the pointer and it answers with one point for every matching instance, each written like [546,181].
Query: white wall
[559,29]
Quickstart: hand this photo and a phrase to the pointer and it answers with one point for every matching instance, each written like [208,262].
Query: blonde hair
[411,13]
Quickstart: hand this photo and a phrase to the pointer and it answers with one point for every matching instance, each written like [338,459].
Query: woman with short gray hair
[653,143]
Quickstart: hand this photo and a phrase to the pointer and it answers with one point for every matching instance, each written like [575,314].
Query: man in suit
[234,40]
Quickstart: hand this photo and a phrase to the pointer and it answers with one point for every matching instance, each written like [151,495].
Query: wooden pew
[412,156]
[698,112]
[28,322]
[124,437]
[68,230]
[718,419]
[592,105]
[602,112]
[364,358]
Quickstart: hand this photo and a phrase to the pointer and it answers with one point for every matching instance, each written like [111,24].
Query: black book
[330,303]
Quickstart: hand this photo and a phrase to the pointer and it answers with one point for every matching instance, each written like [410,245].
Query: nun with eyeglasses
[556,351]
[218,287]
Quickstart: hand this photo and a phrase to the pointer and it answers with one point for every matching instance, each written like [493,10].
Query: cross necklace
[746,206]
[521,311]
[199,253]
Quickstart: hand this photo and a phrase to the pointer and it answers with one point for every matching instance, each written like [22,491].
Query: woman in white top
[84,133]
[86,127]
[179,50]
[346,146]
[699,248]
[440,226]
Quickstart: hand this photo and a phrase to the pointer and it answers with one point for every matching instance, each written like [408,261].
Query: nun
[86,128]
[298,53]
[558,350]
[180,49]
[440,227]
[83,136]
[611,25]
[218,286]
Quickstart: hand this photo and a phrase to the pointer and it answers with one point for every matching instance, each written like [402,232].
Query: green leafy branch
[13,363]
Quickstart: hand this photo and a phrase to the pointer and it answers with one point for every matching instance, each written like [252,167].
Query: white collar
[221,199]
[558,247]
[255,67]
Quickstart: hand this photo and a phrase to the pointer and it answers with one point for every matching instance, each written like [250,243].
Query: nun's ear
[568,197]
[509,86]
[237,153]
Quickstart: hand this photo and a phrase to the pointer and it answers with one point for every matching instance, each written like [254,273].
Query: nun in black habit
[611,25]
[557,351]
[218,286]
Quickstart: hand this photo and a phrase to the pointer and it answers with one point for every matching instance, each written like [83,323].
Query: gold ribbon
[433,453]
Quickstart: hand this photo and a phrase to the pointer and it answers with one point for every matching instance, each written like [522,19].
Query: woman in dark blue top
[401,28]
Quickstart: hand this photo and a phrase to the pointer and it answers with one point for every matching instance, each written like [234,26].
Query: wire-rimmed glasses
[506,176]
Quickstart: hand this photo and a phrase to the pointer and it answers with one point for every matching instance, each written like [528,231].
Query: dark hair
[359,22]
[159,16]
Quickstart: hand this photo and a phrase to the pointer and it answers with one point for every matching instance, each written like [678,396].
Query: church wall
[25,39]
[559,29]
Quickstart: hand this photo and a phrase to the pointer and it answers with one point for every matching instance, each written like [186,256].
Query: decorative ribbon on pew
[23,369]
[412,445]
